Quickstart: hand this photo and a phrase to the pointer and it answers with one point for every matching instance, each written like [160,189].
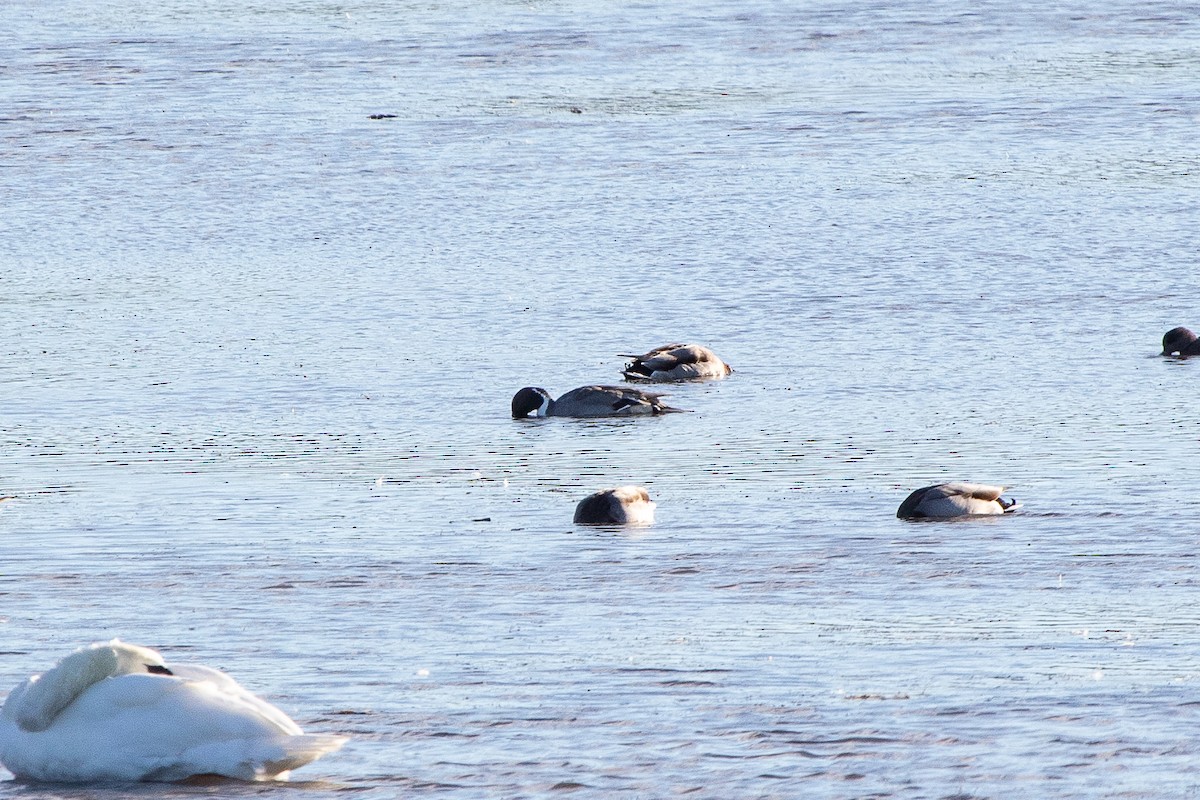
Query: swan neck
[45,696]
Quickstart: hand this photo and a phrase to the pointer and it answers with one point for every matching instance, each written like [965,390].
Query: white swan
[113,711]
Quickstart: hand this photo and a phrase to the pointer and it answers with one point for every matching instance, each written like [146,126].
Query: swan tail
[298,751]
[245,759]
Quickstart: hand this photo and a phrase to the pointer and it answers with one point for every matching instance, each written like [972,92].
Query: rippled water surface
[272,272]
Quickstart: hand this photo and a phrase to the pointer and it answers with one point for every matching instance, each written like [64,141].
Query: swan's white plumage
[125,723]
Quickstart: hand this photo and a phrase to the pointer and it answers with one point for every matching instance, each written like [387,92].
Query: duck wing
[655,353]
[609,401]
[977,491]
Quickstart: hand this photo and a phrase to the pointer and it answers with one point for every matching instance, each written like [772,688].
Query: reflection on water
[260,349]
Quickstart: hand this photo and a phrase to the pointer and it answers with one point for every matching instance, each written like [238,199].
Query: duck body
[624,505]
[1181,341]
[588,401]
[676,362]
[115,712]
[944,500]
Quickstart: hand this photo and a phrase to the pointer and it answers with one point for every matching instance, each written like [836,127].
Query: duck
[113,711]
[676,362]
[955,500]
[622,505]
[1182,341]
[588,401]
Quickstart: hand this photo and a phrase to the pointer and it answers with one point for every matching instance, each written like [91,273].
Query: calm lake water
[258,351]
